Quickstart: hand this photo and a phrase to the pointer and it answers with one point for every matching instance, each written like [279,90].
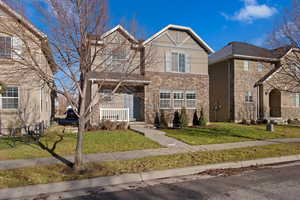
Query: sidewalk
[130,155]
[87,184]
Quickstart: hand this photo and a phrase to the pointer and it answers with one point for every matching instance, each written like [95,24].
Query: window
[10,98]
[107,95]
[260,67]
[246,65]
[249,97]
[165,99]
[5,47]
[179,62]
[119,54]
[190,99]
[297,100]
[178,99]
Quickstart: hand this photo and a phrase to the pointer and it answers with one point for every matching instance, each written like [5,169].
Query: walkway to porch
[160,137]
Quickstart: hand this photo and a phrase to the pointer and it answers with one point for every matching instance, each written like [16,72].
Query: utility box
[270,127]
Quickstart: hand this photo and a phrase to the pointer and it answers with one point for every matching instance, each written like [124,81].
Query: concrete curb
[29,191]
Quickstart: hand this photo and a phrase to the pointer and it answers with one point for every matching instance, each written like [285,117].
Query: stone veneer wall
[175,81]
[244,81]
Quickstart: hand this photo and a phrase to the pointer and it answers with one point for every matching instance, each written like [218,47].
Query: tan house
[176,77]
[241,86]
[24,99]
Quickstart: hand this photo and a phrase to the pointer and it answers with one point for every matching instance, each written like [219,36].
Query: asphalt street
[266,183]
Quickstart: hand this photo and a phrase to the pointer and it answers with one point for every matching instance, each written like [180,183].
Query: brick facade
[175,82]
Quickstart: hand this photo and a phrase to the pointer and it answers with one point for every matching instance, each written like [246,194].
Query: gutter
[244,57]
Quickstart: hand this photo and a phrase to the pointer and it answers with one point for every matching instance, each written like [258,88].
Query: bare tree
[76,35]
[285,40]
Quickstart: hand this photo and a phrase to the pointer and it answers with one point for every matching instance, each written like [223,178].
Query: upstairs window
[260,67]
[119,54]
[5,47]
[249,97]
[10,98]
[177,62]
[246,66]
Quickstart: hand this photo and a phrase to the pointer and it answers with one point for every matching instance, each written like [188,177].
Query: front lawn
[58,173]
[218,133]
[94,142]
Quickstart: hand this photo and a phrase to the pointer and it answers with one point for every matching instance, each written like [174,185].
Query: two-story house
[23,99]
[241,86]
[176,77]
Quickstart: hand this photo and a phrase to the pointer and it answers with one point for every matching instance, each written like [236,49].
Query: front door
[128,103]
[135,105]
[275,103]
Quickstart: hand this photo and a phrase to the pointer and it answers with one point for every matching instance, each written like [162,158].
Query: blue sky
[216,21]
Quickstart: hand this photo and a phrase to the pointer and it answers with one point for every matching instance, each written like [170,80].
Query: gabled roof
[242,50]
[280,52]
[27,24]
[182,28]
[22,20]
[119,28]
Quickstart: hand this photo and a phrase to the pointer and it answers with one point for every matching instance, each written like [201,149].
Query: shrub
[196,121]
[253,122]
[176,120]
[157,121]
[202,119]
[123,126]
[183,118]
[163,121]
[109,125]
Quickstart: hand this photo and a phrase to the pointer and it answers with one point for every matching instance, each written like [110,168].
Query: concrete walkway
[161,138]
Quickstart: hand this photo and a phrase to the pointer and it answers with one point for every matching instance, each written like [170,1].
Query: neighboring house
[25,100]
[176,77]
[241,86]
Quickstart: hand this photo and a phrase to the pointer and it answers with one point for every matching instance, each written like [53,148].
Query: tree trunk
[78,164]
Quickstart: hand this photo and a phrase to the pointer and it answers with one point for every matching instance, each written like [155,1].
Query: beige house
[24,99]
[176,76]
[241,86]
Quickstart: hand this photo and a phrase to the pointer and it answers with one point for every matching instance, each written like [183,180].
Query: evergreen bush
[183,118]
[196,121]
[176,120]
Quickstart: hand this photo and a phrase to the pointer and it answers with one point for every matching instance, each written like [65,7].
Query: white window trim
[297,103]
[246,67]
[170,99]
[1,99]
[11,44]
[178,60]
[247,97]
[185,92]
[191,92]
[183,98]
[260,67]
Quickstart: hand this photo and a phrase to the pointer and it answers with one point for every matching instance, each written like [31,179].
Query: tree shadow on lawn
[33,142]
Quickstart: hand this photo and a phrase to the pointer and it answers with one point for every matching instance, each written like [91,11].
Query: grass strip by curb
[58,173]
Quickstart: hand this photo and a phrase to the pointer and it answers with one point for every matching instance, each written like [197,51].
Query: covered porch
[120,98]
[270,102]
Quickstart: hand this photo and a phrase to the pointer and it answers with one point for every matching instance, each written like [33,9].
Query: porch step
[141,124]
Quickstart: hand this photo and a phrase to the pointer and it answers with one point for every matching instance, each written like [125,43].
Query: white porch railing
[114,114]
